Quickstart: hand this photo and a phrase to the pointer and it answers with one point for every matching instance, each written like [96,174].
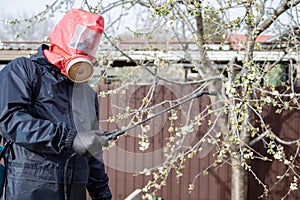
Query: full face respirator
[74,42]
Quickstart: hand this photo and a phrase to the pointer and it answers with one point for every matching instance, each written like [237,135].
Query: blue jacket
[42,130]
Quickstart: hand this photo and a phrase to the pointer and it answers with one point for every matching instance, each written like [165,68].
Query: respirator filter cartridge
[80,70]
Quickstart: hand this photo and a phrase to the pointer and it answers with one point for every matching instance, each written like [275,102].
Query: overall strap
[8,145]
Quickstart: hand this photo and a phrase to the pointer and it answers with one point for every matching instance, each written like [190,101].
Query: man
[50,116]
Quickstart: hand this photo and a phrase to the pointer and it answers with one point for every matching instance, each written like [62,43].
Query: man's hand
[89,143]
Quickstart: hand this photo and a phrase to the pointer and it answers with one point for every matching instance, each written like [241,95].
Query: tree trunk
[238,173]
[237,179]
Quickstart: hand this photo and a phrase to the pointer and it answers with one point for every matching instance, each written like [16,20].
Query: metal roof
[11,50]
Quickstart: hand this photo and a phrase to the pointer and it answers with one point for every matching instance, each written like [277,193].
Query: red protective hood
[76,35]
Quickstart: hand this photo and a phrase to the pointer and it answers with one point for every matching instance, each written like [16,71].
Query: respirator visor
[85,40]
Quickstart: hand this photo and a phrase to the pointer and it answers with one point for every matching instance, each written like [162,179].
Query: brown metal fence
[125,159]
[287,126]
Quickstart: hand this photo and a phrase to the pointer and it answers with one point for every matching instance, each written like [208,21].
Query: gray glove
[89,143]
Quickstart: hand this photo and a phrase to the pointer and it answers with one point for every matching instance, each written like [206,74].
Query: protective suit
[42,129]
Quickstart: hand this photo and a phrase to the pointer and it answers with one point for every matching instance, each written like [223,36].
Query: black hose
[65,176]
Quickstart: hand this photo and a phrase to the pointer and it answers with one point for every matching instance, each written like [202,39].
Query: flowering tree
[242,93]
[244,86]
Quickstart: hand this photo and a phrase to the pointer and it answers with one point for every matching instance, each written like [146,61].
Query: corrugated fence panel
[286,126]
[125,159]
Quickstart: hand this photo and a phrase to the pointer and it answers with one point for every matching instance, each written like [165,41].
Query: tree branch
[281,9]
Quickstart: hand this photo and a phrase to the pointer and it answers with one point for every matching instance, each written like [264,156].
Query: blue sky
[31,7]
[19,7]
[14,6]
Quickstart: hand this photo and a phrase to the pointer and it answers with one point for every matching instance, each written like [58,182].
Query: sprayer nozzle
[213,93]
[199,94]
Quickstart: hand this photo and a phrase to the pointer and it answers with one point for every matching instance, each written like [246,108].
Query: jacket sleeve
[17,84]
[97,186]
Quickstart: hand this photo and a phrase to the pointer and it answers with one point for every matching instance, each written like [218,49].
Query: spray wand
[115,134]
